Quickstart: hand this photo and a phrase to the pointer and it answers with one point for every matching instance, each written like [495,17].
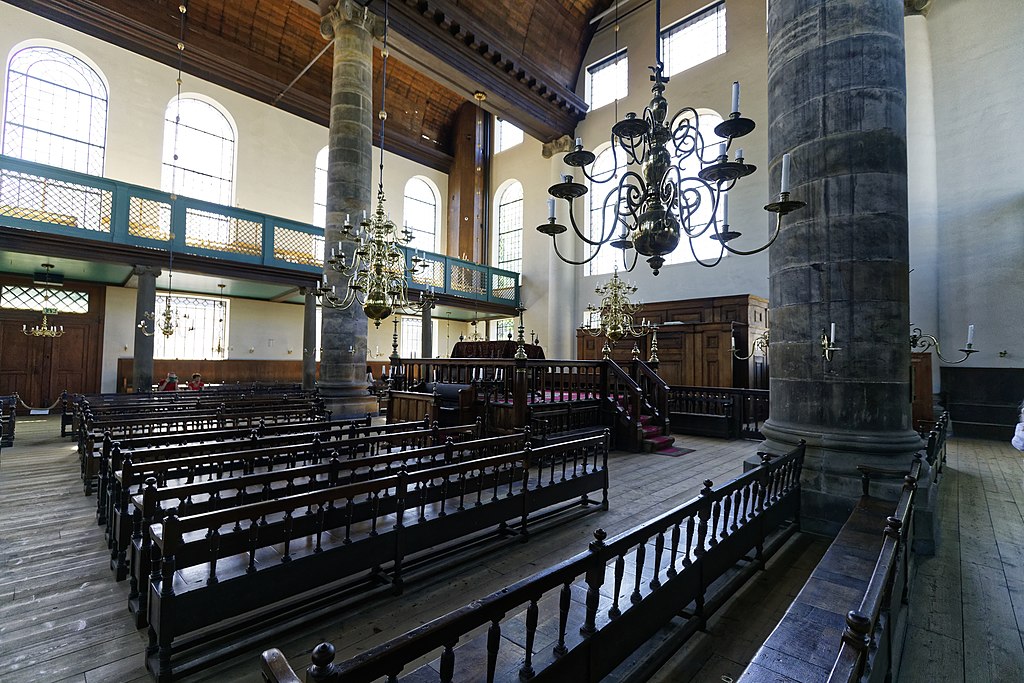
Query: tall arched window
[510,227]
[705,247]
[421,213]
[56,110]
[601,216]
[199,151]
[320,189]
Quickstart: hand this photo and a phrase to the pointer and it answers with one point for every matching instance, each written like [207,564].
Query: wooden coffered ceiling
[525,55]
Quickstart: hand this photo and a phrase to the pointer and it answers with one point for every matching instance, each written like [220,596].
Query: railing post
[520,391]
[595,579]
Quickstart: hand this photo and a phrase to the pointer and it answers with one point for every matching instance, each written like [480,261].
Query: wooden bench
[575,420]
[153,504]
[8,405]
[220,568]
[704,416]
[132,469]
[176,422]
[576,621]
[867,565]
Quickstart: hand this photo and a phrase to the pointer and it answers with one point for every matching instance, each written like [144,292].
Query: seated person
[196,383]
[169,383]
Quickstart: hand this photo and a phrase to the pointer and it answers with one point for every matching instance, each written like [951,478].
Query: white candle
[722,147]
[785,173]
[551,209]
[739,154]
[579,142]
[734,341]
[348,219]
[970,334]
[735,96]
[364,214]
[725,208]
[832,334]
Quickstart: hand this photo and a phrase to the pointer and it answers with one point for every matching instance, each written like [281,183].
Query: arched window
[420,211]
[510,227]
[705,247]
[601,216]
[56,110]
[320,189]
[199,151]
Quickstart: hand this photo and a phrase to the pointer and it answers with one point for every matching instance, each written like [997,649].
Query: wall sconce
[252,349]
[1003,353]
[291,351]
[828,343]
[923,342]
[351,349]
[760,343]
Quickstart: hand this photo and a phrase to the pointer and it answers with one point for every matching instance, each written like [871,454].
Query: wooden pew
[132,469]
[8,404]
[215,569]
[177,422]
[578,620]
[153,504]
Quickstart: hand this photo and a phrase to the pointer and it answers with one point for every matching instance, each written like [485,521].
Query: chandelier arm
[775,235]
[558,253]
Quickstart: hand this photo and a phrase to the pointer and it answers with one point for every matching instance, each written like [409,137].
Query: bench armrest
[275,668]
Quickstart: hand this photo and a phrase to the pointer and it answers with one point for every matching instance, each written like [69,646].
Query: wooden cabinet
[695,339]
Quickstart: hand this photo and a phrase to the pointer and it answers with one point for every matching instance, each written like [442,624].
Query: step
[657,443]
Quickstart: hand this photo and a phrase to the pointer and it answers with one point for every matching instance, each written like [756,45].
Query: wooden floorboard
[64,618]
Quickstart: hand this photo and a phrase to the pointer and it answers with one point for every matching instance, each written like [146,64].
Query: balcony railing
[57,201]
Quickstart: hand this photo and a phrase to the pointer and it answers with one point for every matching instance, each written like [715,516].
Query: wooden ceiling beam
[438,38]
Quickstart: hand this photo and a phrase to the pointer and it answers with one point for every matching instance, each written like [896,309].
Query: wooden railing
[746,409]
[654,390]
[867,640]
[694,547]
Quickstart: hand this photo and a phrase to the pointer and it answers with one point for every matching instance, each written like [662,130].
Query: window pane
[420,210]
[199,152]
[510,228]
[38,298]
[506,135]
[707,146]
[320,190]
[410,343]
[693,40]
[608,80]
[504,329]
[56,111]
[201,332]
[601,216]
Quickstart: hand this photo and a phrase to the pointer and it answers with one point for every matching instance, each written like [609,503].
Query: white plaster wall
[978,67]
[118,334]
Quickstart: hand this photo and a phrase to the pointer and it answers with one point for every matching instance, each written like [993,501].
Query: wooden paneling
[921,385]
[467,185]
[40,368]
[695,341]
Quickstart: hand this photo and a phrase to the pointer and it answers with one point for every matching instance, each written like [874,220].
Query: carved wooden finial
[598,542]
[323,662]
[858,626]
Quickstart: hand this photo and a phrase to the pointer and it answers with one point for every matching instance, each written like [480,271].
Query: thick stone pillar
[145,307]
[308,338]
[837,103]
[560,341]
[349,163]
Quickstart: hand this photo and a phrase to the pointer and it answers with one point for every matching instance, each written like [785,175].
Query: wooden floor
[63,618]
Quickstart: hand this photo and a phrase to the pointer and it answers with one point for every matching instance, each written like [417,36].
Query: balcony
[52,200]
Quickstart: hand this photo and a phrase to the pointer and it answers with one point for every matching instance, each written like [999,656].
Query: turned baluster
[638,570]
[595,579]
[493,643]
[564,599]
[526,671]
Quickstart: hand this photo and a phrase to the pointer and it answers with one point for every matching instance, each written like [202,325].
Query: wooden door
[40,368]
[921,387]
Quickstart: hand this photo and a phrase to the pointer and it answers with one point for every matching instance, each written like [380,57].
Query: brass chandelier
[376,275]
[45,329]
[649,212]
[616,314]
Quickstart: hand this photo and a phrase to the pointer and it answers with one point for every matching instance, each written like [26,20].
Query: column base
[831,483]
[348,402]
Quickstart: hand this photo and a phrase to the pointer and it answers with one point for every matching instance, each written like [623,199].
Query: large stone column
[308,338]
[145,304]
[837,103]
[427,338]
[349,163]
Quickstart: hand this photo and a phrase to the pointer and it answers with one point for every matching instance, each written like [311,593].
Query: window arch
[609,165]
[199,150]
[510,227]
[707,147]
[320,189]
[420,213]
[56,110]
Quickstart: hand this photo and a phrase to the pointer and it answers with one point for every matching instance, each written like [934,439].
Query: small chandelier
[168,319]
[648,212]
[616,314]
[44,329]
[377,273]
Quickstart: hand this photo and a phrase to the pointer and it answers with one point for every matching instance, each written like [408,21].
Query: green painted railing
[57,201]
